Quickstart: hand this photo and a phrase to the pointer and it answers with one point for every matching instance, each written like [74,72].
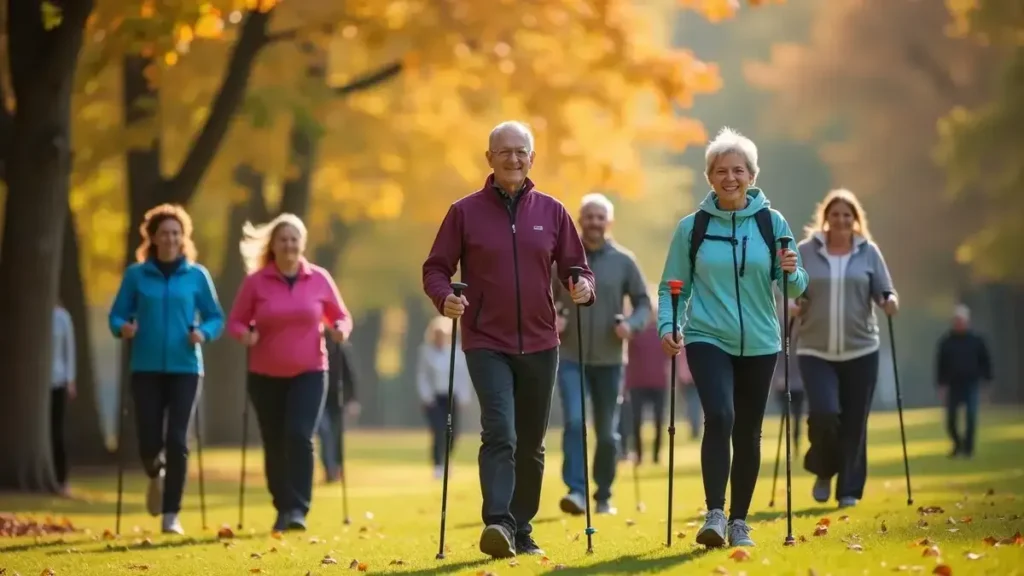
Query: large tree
[44,40]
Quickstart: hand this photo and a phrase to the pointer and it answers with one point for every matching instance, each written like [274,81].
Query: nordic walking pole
[245,437]
[782,424]
[619,319]
[575,272]
[199,448]
[789,400]
[457,289]
[341,444]
[899,408]
[675,288]
[122,410]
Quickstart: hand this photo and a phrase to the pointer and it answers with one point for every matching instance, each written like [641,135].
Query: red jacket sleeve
[441,263]
[569,252]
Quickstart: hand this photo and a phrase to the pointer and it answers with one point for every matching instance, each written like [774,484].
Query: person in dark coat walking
[962,367]
[341,400]
[504,238]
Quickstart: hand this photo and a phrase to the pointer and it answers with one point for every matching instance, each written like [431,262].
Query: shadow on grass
[480,525]
[780,514]
[442,568]
[634,564]
[28,546]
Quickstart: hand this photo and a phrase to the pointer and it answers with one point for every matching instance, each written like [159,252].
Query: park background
[368,119]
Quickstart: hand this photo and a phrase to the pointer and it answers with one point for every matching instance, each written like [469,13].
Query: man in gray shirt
[617,276]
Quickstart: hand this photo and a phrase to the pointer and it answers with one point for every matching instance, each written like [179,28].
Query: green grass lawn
[395,513]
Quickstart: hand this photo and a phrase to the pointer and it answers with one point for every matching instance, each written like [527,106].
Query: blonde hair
[819,221]
[151,222]
[438,323]
[255,245]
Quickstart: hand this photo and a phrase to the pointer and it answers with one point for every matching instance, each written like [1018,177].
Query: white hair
[255,243]
[730,141]
[600,200]
[512,125]
[962,312]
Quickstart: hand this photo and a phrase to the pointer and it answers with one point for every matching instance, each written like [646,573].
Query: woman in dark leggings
[156,307]
[731,331]
[839,342]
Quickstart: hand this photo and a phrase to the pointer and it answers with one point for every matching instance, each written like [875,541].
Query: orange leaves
[740,555]
[14,526]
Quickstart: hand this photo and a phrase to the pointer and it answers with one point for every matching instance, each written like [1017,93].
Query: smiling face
[287,244]
[730,177]
[594,223]
[841,219]
[168,239]
[510,157]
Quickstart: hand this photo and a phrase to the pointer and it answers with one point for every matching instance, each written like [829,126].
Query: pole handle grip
[457,288]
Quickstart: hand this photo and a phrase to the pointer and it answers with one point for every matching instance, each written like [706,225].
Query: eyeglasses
[521,153]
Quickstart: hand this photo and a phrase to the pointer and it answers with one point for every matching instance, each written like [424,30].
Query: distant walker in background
[62,390]
[341,400]
[962,367]
[432,386]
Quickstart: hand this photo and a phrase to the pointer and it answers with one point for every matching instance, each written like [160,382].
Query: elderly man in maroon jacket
[505,238]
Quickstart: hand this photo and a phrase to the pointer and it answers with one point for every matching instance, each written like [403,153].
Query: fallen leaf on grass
[824,522]
[844,518]
[142,567]
[328,560]
[855,547]
[720,570]
[973,555]
[691,524]
[47,572]
[255,570]
[108,535]
[925,542]
[739,555]
[272,550]
[926,510]
[229,544]
[369,515]
[513,562]
[883,529]
[966,520]
[990,492]
[931,551]
[821,530]
[943,570]
[680,535]
[485,573]
[630,522]
[991,541]
[353,565]
[364,529]
[315,540]
[225,532]
[276,535]
[953,530]
[362,567]
[922,523]
[255,556]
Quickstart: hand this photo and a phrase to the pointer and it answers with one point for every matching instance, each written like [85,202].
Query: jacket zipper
[167,320]
[736,276]
[513,207]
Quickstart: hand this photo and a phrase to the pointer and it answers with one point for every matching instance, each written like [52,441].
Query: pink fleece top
[288,319]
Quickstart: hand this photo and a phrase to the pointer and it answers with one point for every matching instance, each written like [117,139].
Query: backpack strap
[700,229]
[763,217]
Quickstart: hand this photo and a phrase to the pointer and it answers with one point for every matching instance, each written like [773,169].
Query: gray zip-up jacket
[617,276]
[837,315]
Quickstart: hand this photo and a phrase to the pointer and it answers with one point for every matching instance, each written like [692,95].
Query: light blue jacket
[165,308]
[727,299]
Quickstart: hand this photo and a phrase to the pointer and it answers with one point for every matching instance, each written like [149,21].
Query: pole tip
[790,541]
[910,501]
[440,556]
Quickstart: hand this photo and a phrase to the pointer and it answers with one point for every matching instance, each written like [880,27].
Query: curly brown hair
[151,223]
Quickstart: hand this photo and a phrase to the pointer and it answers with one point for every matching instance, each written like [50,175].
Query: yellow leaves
[210,24]
[147,9]
[52,15]
[260,5]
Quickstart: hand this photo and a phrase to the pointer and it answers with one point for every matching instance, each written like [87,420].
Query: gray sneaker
[822,489]
[605,507]
[573,503]
[847,502]
[155,494]
[496,542]
[712,533]
[739,533]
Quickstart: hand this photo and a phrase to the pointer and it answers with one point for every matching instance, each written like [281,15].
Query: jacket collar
[270,270]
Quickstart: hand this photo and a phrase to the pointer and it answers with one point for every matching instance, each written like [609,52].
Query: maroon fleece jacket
[505,249]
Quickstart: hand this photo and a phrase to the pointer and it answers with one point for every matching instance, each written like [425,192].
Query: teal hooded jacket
[728,299]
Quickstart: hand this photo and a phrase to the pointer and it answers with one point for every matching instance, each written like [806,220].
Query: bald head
[510,128]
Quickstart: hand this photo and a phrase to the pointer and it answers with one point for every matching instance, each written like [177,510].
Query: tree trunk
[85,446]
[365,342]
[38,181]
[417,317]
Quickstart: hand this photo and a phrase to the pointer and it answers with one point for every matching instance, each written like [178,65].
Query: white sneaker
[171,524]
[155,494]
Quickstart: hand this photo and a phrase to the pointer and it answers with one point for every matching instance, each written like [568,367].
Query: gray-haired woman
[838,349]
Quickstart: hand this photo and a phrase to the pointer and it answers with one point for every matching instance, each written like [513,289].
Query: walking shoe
[155,494]
[573,503]
[739,533]
[171,524]
[605,507]
[822,489]
[712,533]
[280,523]
[496,542]
[847,502]
[526,545]
[297,521]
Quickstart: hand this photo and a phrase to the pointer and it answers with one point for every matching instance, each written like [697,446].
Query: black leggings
[733,392]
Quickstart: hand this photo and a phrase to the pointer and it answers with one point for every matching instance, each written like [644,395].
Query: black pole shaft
[899,409]
[583,419]
[199,455]
[245,437]
[789,400]
[122,411]
[341,468]
[672,423]
[457,288]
